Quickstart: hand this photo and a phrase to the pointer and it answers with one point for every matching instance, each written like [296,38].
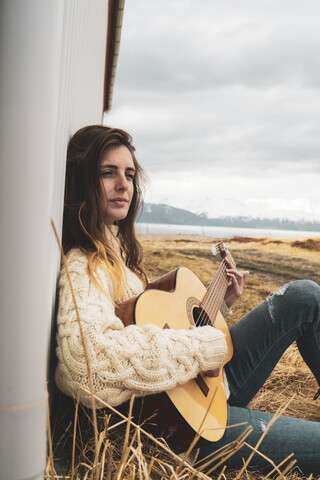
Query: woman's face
[117,172]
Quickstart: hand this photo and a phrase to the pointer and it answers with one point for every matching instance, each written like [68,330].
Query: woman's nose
[122,183]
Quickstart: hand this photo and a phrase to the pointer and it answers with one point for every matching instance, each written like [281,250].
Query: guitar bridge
[202,385]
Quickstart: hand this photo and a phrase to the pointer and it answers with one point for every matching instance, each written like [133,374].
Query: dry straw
[83,340]
[148,458]
[160,463]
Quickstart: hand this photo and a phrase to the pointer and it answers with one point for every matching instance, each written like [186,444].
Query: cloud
[223,90]
[218,194]
[184,48]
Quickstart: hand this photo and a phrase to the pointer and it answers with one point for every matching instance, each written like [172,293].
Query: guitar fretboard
[214,296]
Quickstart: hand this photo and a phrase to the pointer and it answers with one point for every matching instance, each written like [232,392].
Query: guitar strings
[216,300]
[217,280]
[224,285]
[212,301]
[208,301]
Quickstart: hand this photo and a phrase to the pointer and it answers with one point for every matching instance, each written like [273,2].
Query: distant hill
[161,213]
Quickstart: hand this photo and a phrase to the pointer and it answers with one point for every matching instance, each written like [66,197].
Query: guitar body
[172,302]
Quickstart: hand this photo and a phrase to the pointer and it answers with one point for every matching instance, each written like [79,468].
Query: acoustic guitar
[178,300]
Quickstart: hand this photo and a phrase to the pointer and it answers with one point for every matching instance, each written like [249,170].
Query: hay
[123,451]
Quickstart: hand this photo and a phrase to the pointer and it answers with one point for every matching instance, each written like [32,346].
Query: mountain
[161,213]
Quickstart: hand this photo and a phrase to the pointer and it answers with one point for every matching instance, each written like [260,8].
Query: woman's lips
[119,201]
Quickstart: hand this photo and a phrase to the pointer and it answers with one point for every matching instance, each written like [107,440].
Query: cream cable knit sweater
[124,360]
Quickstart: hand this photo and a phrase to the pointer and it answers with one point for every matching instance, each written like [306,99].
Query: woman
[104,258]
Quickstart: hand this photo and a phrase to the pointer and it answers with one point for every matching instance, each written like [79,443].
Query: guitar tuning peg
[225,248]
[214,250]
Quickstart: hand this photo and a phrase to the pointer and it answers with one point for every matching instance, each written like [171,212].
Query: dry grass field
[126,453]
[271,263]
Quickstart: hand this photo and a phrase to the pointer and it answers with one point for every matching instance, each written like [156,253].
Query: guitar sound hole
[200,317]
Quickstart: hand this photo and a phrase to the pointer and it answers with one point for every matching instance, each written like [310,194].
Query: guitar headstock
[224,252]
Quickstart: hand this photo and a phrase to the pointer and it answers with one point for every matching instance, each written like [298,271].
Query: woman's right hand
[209,373]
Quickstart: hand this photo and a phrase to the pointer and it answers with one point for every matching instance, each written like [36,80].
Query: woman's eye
[107,173]
[130,176]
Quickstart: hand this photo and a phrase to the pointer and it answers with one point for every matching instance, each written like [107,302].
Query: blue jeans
[260,338]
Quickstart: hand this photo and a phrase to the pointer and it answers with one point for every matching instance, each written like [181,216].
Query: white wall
[52,73]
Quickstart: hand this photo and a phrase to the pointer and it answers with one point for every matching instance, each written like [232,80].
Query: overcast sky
[222,99]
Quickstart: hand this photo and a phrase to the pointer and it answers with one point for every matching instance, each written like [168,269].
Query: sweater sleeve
[124,360]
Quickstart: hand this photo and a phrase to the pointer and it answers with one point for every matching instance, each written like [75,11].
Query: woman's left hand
[235,289]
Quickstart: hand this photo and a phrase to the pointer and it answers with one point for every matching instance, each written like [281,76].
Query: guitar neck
[216,291]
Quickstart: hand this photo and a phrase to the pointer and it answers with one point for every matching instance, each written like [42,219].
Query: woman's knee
[301,294]
[307,290]
[298,296]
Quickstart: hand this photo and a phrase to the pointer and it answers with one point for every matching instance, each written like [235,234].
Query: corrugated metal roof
[115,15]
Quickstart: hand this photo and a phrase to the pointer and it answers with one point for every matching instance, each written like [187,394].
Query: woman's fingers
[235,289]
[237,275]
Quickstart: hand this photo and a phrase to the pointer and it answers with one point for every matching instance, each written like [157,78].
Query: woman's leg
[286,435]
[262,336]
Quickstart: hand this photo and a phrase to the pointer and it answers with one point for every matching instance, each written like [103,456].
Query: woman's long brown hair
[83,221]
